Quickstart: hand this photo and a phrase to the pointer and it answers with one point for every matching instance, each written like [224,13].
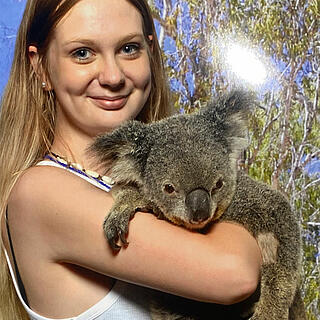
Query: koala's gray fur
[184,169]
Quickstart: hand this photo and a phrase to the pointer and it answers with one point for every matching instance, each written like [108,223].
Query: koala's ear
[124,151]
[228,116]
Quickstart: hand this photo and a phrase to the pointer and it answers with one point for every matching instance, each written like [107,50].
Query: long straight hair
[27,117]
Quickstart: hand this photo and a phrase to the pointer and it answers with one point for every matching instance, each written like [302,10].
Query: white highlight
[246,64]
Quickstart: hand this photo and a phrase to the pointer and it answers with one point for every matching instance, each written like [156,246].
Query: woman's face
[99,67]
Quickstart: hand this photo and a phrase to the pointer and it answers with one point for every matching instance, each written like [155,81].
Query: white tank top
[124,301]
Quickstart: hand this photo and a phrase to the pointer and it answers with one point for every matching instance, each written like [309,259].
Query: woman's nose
[111,74]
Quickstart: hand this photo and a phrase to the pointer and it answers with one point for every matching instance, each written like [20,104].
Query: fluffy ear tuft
[123,151]
[228,115]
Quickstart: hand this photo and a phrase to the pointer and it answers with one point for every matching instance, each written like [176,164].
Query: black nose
[198,203]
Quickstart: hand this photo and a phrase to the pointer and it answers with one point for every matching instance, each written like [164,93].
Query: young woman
[82,68]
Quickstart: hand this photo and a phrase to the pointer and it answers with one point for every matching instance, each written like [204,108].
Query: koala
[184,169]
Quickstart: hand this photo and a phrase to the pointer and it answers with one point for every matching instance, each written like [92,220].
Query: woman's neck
[74,150]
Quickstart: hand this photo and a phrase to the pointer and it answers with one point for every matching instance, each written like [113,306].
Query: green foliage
[285,128]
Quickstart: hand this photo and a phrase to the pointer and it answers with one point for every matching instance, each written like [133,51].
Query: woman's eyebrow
[83,41]
[131,36]
[91,42]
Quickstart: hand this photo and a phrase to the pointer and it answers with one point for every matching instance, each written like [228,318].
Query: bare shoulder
[35,187]
[43,183]
[49,188]
[50,203]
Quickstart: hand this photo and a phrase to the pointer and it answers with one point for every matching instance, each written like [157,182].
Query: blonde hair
[27,116]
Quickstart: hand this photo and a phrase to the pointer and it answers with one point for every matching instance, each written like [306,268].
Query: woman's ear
[34,58]
[37,67]
[150,42]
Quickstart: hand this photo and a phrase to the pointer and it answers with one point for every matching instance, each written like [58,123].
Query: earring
[43,84]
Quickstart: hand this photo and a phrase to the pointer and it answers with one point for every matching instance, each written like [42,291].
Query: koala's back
[267,214]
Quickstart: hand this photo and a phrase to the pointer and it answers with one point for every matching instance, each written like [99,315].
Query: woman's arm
[221,266]
[60,216]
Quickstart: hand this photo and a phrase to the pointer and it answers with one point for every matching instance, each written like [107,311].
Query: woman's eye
[131,49]
[82,54]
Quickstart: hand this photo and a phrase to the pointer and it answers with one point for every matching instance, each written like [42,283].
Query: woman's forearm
[222,266]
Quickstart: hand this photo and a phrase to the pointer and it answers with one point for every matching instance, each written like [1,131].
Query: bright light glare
[245,64]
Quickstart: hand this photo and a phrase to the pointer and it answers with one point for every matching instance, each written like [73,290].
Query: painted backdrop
[10,16]
[210,45]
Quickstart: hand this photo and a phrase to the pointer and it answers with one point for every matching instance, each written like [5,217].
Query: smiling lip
[110,103]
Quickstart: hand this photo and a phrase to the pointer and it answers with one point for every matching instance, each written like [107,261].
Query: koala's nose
[198,203]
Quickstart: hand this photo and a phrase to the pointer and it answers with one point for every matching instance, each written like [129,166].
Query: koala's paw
[258,317]
[267,317]
[116,226]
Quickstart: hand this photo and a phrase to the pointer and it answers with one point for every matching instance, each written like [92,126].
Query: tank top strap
[95,182]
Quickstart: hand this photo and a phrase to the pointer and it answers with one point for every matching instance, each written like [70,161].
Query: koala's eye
[219,185]
[169,188]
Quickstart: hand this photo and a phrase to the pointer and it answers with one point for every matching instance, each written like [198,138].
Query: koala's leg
[128,200]
[278,287]
[159,312]
[297,310]
[278,282]
[158,315]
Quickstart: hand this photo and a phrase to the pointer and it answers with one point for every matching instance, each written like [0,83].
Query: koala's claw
[114,246]
[113,234]
[116,226]
[123,238]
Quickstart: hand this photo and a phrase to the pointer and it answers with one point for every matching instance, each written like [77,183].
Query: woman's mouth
[109,103]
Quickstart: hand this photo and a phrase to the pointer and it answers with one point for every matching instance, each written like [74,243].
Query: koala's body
[184,169]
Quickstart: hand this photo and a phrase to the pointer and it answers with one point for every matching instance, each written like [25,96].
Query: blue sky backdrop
[10,15]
